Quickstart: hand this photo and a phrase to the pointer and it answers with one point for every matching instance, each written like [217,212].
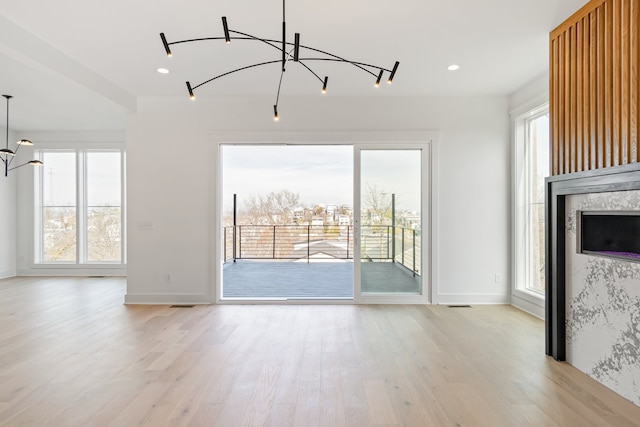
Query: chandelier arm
[310,70]
[268,42]
[236,70]
[279,86]
[15,153]
[272,43]
[196,40]
[247,37]
[337,58]
[350,62]
[290,57]
[286,56]
[16,167]
[252,66]
[334,57]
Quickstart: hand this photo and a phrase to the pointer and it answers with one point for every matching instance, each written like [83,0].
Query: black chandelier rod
[7,141]
[8,97]
[8,154]
[284,40]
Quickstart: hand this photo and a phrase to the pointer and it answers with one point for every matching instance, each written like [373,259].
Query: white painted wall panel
[170,171]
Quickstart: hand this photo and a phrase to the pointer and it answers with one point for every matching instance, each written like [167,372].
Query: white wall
[170,173]
[7,218]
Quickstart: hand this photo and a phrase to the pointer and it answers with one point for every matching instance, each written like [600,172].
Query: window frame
[81,262]
[521,205]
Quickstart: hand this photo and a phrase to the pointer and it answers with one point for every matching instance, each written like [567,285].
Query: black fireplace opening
[613,234]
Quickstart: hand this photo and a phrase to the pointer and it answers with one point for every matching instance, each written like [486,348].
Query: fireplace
[593,275]
[614,234]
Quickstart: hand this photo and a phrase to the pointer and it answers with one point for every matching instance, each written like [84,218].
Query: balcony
[316,262]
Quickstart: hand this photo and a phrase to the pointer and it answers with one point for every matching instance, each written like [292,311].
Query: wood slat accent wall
[594,112]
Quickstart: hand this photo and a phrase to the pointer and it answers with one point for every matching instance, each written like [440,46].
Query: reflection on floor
[315,280]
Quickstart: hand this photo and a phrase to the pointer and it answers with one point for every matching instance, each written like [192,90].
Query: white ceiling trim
[38,54]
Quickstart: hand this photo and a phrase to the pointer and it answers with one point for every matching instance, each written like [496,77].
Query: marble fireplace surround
[593,302]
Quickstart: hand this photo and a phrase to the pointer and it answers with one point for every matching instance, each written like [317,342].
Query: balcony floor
[315,280]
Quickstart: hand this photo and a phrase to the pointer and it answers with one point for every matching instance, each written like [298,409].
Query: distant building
[331,210]
[298,214]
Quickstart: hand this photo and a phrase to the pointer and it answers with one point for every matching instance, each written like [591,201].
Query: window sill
[532,297]
[74,265]
[74,270]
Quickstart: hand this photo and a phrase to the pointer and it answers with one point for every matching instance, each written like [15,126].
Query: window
[532,167]
[538,165]
[59,212]
[79,219]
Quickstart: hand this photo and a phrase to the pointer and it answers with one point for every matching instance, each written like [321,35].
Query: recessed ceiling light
[163,71]
[453,67]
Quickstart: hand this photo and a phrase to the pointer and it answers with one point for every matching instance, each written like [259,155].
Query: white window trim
[527,299]
[36,266]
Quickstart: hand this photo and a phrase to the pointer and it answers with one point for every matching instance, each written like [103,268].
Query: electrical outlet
[168,278]
[498,278]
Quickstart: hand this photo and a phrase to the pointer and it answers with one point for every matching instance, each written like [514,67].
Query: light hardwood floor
[71,354]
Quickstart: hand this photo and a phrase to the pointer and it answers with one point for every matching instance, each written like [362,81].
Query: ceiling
[80,65]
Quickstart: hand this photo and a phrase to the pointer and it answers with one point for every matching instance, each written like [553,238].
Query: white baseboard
[450,299]
[533,308]
[5,274]
[154,299]
[73,272]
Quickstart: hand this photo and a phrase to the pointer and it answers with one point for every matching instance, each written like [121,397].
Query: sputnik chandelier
[6,155]
[291,51]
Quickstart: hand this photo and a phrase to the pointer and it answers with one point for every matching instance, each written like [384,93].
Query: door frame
[425,218]
[426,139]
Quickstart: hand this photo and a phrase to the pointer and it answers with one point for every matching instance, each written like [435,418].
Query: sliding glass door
[390,224]
[325,222]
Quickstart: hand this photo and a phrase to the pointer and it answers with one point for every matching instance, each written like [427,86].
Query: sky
[102,178]
[320,174]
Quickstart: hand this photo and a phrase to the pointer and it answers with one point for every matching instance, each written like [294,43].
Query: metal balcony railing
[299,242]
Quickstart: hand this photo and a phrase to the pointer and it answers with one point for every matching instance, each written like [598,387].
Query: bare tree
[103,234]
[59,226]
[378,203]
[275,208]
